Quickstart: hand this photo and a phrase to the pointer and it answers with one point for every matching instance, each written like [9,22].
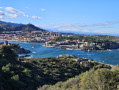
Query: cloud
[12,16]
[12,10]
[36,17]
[42,9]
[13,13]
[105,23]
[1,17]
[1,13]
[80,27]
[26,15]
[1,7]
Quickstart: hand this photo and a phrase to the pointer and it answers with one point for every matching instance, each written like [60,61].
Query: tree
[8,54]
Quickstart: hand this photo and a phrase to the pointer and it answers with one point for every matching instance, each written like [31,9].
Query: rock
[18,49]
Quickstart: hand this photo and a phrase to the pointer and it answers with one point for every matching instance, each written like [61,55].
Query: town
[82,45]
[33,36]
[69,41]
[72,45]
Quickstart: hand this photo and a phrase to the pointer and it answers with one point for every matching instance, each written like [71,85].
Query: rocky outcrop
[103,46]
[114,45]
[18,49]
[21,50]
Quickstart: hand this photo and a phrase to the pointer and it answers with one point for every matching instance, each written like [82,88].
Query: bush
[15,77]
[100,79]
[8,54]
[27,72]
[5,69]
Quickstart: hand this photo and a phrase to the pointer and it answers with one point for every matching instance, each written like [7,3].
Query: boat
[32,46]
[109,50]
[69,49]
[88,50]
[33,52]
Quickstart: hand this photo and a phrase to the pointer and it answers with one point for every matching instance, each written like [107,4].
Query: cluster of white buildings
[73,45]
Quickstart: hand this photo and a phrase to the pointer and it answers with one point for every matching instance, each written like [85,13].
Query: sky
[77,16]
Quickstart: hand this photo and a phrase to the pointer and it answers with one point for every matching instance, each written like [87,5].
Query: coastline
[42,51]
[43,44]
[78,49]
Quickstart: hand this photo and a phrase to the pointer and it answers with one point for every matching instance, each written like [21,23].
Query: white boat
[32,46]
[33,52]
[109,50]
[68,49]
[88,50]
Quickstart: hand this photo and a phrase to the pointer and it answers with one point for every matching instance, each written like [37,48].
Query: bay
[108,57]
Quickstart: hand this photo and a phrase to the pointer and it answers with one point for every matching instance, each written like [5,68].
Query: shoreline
[72,54]
[59,48]
[62,48]
[80,49]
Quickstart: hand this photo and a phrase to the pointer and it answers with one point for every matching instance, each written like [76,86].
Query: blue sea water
[109,57]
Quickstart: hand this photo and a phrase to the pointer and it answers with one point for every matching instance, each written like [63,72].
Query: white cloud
[1,17]
[16,13]
[1,7]
[26,15]
[13,10]
[42,9]
[13,13]
[1,13]
[12,16]
[81,27]
[36,17]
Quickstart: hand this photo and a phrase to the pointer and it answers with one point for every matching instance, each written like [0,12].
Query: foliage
[100,79]
[15,77]
[5,69]
[8,53]
[29,74]
[90,39]
[28,27]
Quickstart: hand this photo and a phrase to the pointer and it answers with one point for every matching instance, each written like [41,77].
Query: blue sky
[78,16]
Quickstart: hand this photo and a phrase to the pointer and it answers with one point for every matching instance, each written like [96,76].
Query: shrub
[5,69]
[27,72]
[15,77]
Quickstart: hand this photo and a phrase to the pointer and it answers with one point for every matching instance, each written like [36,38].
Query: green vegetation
[95,38]
[28,27]
[17,49]
[100,79]
[29,74]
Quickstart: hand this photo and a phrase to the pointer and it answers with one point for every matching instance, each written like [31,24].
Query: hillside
[100,79]
[28,27]
[90,38]
[29,74]
[9,23]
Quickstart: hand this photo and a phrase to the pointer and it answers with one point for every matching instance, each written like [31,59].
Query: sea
[108,57]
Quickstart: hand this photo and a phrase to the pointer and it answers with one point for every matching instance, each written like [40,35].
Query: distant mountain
[9,23]
[28,27]
[4,26]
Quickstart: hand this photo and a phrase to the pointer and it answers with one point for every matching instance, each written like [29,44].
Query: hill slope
[100,79]
[9,23]
[17,27]
[29,74]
